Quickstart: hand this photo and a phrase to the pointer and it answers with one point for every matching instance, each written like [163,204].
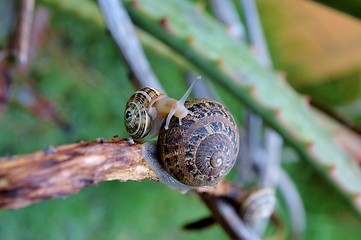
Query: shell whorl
[137,119]
[202,150]
[258,204]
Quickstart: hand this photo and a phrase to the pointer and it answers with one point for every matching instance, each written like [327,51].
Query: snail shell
[259,204]
[148,107]
[138,119]
[202,150]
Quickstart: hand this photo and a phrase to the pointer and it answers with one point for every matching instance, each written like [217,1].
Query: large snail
[196,150]
[202,150]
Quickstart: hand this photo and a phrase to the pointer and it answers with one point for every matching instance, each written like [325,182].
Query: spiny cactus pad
[205,43]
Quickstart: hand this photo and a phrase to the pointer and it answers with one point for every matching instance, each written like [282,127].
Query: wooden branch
[23,31]
[228,218]
[64,170]
[112,12]
[122,30]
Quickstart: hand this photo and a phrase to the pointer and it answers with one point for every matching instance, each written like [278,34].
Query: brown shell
[137,121]
[259,204]
[202,150]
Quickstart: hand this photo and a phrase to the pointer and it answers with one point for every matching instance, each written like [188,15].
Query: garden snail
[148,107]
[198,153]
[259,204]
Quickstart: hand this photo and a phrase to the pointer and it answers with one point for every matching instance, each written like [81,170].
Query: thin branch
[123,33]
[225,13]
[29,98]
[294,204]
[23,31]
[5,85]
[256,36]
[64,170]
[225,214]
[269,164]
[37,37]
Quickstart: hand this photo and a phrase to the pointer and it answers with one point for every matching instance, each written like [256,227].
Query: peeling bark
[64,170]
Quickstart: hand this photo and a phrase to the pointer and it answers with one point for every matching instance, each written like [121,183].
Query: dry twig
[23,31]
[64,170]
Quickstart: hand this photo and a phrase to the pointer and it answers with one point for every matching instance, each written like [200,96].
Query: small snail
[148,107]
[259,204]
[200,151]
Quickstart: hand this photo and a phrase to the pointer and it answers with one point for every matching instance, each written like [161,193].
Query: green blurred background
[80,70]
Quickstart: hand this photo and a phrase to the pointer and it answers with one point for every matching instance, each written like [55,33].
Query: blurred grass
[80,70]
[328,215]
[109,211]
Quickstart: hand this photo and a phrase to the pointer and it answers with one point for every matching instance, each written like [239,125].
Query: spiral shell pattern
[137,120]
[202,150]
[259,204]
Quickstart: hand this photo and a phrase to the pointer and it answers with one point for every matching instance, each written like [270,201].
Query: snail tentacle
[147,108]
[179,110]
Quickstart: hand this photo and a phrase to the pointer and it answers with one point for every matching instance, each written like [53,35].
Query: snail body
[148,107]
[202,150]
